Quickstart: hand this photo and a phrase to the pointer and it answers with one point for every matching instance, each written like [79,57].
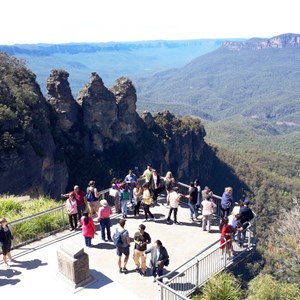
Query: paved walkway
[34,274]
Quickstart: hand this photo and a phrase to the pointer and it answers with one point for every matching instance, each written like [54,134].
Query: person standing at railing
[115,193]
[226,231]
[169,184]
[192,201]
[208,207]
[92,197]
[88,228]
[131,181]
[174,203]
[226,202]
[6,239]
[80,200]
[199,195]
[71,207]
[147,173]
[246,215]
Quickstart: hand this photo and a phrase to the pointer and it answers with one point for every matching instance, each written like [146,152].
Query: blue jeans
[124,207]
[105,224]
[192,210]
[88,241]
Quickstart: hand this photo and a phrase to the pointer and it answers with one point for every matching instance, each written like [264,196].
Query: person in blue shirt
[131,181]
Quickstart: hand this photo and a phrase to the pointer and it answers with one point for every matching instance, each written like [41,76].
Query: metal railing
[194,273]
[39,225]
[186,279]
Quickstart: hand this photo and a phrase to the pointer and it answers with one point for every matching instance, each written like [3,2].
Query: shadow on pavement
[101,280]
[104,246]
[28,264]
[10,273]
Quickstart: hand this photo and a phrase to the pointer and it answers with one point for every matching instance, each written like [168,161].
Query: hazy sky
[62,21]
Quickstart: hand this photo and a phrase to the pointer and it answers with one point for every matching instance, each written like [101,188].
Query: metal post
[197,274]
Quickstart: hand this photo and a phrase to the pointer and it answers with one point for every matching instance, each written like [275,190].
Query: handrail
[188,261]
[36,215]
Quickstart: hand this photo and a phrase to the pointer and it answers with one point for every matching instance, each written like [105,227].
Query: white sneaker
[7,266]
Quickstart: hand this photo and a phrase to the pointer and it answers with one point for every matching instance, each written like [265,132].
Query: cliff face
[281,41]
[27,148]
[48,146]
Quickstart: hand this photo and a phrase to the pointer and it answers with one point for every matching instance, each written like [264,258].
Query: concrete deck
[34,273]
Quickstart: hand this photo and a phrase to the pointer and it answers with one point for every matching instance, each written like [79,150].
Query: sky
[64,21]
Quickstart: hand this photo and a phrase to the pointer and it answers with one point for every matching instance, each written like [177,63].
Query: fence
[38,225]
[194,273]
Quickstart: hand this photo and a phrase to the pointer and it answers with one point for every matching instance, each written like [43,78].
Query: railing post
[197,274]
[63,217]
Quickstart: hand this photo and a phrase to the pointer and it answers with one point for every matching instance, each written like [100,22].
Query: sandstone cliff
[48,146]
[281,41]
[27,150]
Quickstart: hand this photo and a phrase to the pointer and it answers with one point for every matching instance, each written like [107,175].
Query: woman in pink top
[88,228]
[104,213]
[71,207]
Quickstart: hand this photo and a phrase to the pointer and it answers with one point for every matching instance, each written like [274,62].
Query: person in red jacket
[88,228]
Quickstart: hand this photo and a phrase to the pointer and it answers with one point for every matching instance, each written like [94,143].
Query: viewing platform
[34,273]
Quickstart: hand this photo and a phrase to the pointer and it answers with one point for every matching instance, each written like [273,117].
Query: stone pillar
[73,264]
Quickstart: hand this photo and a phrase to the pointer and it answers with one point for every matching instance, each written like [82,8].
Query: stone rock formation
[48,146]
[100,112]
[61,99]
[28,161]
[125,95]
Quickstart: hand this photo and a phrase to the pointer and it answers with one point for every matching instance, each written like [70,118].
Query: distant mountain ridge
[280,41]
[111,60]
[221,84]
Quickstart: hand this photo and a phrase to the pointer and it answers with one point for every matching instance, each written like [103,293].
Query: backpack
[90,196]
[125,195]
[118,242]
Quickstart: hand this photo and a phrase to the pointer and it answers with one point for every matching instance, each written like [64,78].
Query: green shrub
[266,288]
[223,286]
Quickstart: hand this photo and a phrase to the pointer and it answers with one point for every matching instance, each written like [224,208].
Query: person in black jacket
[155,185]
[159,259]
[246,215]
[6,238]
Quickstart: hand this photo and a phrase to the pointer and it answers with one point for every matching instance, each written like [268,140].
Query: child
[6,238]
[226,231]
[88,228]
[71,207]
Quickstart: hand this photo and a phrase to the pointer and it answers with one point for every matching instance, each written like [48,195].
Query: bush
[223,286]
[266,288]
[13,209]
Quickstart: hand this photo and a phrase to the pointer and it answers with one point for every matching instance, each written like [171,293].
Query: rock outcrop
[100,112]
[48,146]
[28,161]
[60,97]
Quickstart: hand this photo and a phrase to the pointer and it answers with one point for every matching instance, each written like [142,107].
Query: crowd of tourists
[130,194]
